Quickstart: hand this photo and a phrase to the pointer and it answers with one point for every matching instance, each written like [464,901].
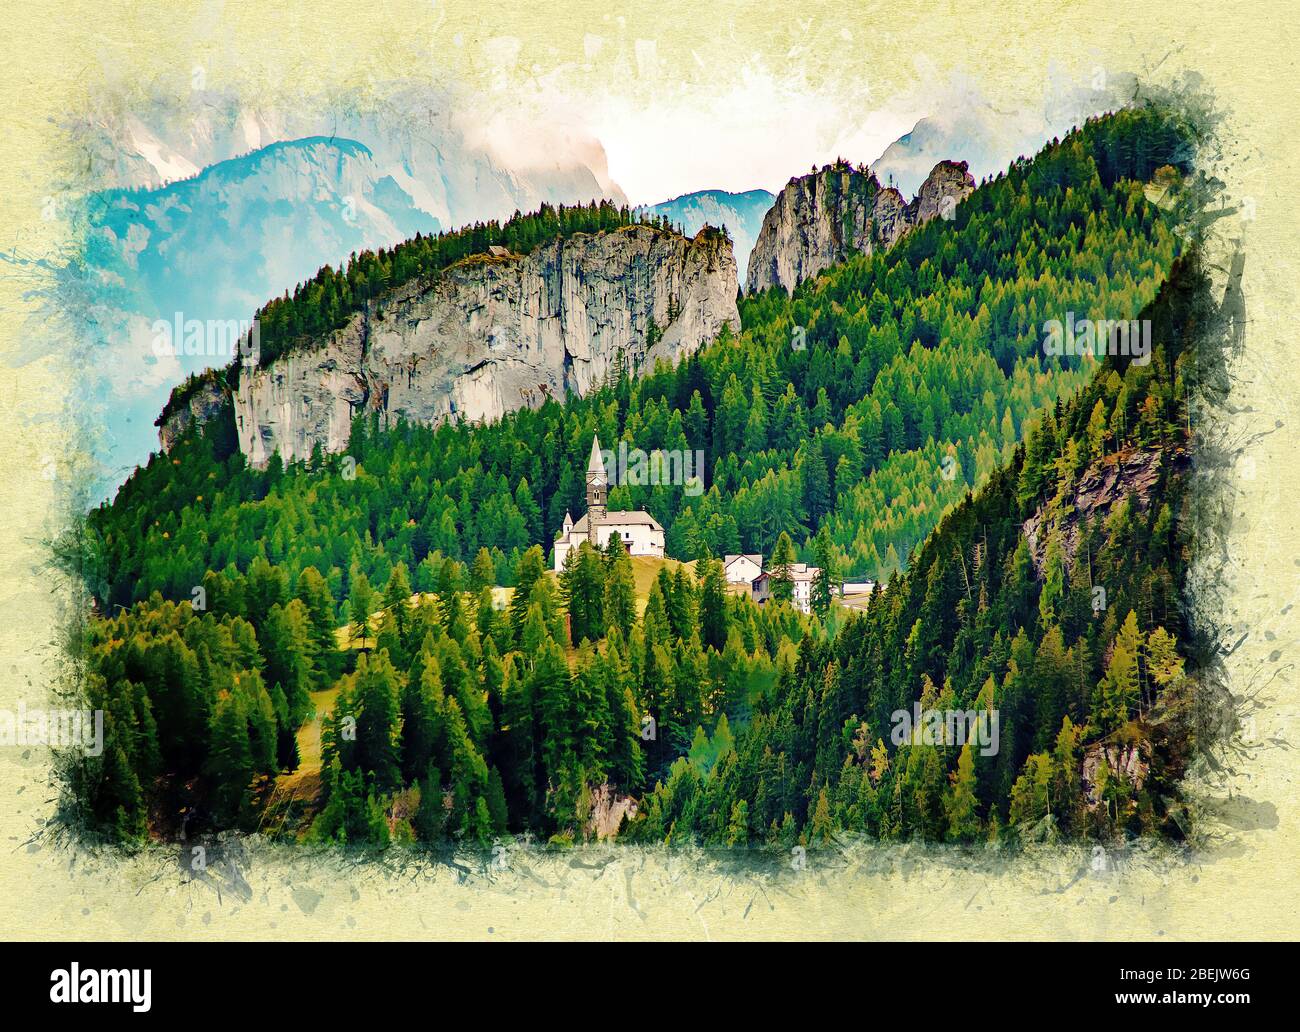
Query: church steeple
[597,485]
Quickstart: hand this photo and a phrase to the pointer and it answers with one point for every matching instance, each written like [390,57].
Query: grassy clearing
[304,783]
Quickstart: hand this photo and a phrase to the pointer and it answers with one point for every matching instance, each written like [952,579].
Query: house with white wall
[801,577]
[742,569]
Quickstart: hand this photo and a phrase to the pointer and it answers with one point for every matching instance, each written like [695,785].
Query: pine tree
[1120,688]
[961,804]
[738,824]
[824,580]
[483,573]
[362,601]
[620,589]
[552,691]
[781,569]
[713,604]
[582,590]
[315,595]
[431,815]
[377,719]
[529,572]
[230,763]
[518,760]
[496,801]
[816,482]
[822,827]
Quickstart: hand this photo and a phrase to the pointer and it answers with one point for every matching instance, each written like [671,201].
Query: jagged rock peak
[819,219]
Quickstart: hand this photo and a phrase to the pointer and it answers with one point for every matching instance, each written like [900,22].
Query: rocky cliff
[1133,474]
[198,400]
[494,333]
[819,219]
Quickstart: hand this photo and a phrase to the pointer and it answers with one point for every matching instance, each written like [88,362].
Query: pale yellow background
[58,54]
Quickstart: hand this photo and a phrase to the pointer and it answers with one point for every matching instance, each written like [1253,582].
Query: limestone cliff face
[494,333]
[947,185]
[197,401]
[819,219]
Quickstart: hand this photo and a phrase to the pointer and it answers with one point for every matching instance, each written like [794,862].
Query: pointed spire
[596,464]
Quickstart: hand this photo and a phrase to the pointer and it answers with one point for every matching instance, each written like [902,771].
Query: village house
[742,569]
[801,576]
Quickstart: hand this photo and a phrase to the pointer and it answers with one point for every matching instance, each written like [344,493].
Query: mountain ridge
[818,219]
[740,214]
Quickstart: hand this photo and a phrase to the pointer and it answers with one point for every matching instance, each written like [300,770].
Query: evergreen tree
[823,585]
[781,568]
[362,601]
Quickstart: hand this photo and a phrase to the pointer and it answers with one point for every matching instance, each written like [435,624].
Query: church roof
[799,573]
[620,517]
[596,464]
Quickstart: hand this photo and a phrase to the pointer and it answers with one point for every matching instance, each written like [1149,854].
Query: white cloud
[133,366]
[757,133]
[769,127]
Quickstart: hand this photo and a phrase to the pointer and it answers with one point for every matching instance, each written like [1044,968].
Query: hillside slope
[1048,604]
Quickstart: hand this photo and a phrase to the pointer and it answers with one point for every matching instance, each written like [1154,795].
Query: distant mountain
[218,245]
[455,170]
[208,251]
[741,214]
[967,126]
[215,210]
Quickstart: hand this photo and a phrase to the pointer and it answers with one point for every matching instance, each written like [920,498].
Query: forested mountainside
[829,418]
[1050,600]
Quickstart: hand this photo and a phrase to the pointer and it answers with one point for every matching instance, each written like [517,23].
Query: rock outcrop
[1122,761]
[493,333]
[198,400]
[1132,474]
[818,220]
[947,185]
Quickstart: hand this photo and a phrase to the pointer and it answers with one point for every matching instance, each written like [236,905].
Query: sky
[764,126]
[756,135]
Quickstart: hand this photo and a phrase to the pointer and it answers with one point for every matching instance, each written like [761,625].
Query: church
[641,532]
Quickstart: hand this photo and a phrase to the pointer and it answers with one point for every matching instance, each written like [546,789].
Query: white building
[801,575]
[641,532]
[742,569]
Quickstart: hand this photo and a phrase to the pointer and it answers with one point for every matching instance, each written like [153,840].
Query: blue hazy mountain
[211,250]
[741,214]
[218,245]
[214,247]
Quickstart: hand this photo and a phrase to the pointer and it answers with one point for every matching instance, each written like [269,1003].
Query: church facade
[640,532]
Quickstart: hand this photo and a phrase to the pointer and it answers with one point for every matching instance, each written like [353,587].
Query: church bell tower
[597,486]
